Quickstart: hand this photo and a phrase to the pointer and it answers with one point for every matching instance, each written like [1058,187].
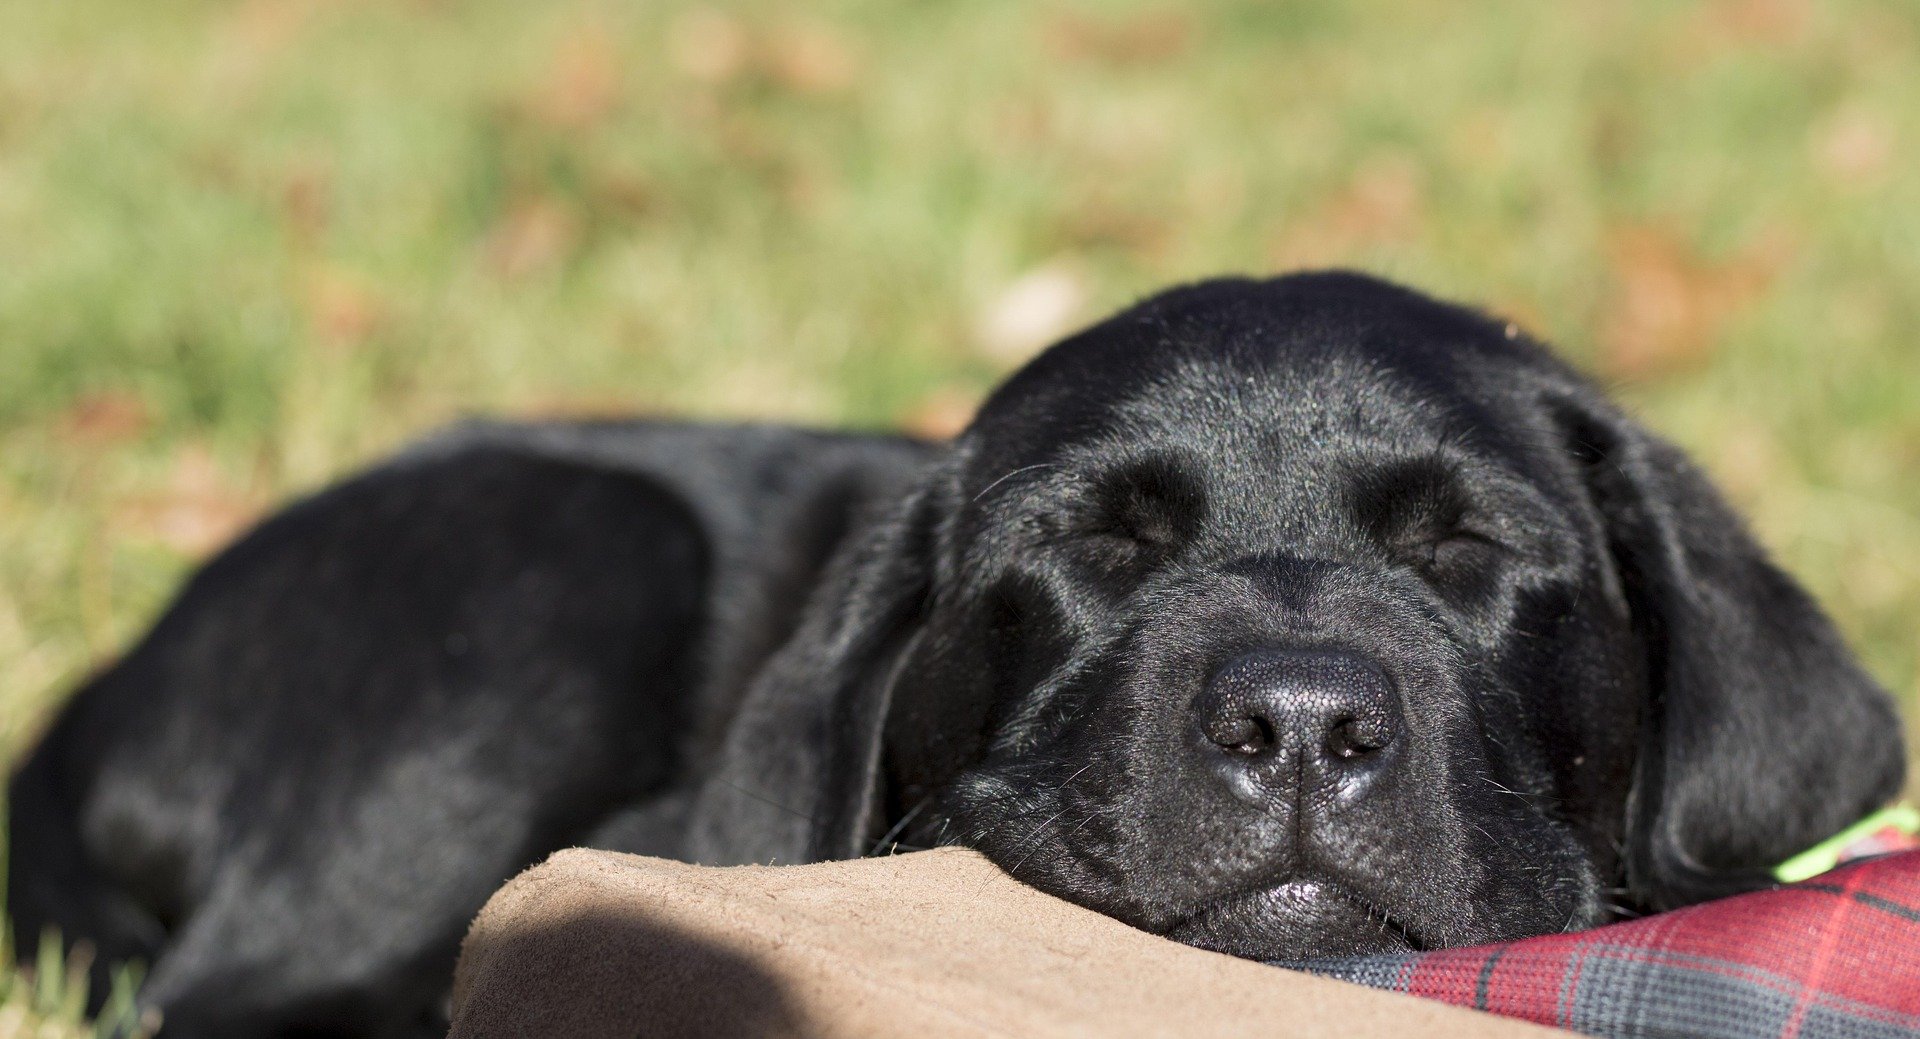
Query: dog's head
[1311,616]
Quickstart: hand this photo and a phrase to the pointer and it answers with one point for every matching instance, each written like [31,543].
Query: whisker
[1035,842]
[900,827]
[765,800]
[1011,475]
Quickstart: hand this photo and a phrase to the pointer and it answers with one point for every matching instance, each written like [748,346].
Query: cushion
[929,944]
[941,943]
[1834,957]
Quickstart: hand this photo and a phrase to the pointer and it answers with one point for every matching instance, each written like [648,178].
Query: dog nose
[1325,706]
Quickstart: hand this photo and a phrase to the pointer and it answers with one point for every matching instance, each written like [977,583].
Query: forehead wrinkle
[1296,414]
[1276,448]
[1323,395]
[1255,417]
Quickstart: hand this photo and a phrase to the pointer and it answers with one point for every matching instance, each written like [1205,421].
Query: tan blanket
[937,943]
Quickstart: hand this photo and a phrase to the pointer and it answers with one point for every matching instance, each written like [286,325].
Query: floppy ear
[798,777]
[1764,736]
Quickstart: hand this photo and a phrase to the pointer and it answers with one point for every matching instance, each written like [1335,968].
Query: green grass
[47,1000]
[247,245]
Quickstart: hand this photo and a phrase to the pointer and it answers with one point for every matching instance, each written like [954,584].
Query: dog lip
[1303,889]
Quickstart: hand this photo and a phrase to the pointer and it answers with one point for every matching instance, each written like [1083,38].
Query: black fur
[1284,617]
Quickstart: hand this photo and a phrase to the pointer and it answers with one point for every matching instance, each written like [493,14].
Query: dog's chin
[1296,920]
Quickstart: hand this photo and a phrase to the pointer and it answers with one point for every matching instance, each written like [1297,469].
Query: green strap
[1826,855]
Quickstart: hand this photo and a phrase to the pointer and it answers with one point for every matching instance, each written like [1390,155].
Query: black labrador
[1286,618]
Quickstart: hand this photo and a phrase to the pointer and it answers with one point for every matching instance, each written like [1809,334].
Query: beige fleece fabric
[939,943]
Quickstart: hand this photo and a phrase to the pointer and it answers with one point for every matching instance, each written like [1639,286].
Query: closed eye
[1418,512]
[1448,551]
[1153,504]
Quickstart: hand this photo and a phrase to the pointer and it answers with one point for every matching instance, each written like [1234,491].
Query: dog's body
[1283,618]
[488,649]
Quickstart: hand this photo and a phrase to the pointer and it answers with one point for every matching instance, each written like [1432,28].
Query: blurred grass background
[248,244]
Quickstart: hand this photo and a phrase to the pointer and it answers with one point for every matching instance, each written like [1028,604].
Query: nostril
[1351,738]
[1247,735]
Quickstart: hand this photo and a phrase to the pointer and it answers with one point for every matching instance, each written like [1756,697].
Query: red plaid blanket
[1835,957]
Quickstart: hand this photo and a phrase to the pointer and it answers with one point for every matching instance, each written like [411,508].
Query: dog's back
[355,722]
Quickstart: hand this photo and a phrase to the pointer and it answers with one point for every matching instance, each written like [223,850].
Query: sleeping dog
[1286,618]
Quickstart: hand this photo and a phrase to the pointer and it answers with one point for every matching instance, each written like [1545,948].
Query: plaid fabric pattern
[1834,957]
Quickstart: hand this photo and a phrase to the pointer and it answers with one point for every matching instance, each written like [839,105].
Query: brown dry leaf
[582,84]
[1017,125]
[198,510]
[1384,202]
[1853,147]
[625,194]
[305,203]
[1032,311]
[1096,221]
[1145,38]
[252,41]
[252,35]
[343,308]
[106,418]
[812,58]
[266,25]
[708,45]
[1669,303]
[535,235]
[1613,138]
[1769,23]
[941,414]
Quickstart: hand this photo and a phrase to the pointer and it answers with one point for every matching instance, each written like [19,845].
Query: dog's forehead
[1290,404]
[1295,400]
[1262,362]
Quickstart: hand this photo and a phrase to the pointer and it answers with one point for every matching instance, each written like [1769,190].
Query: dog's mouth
[1296,919]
